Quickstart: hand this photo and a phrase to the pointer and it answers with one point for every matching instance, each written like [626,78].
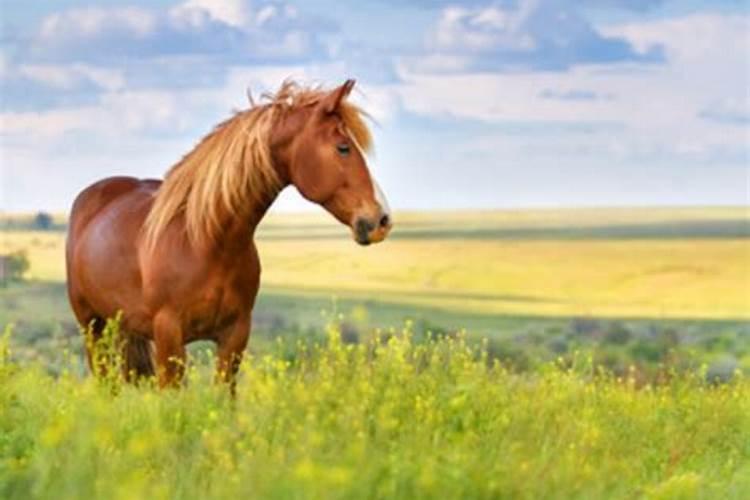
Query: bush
[13,266]
[43,221]
[617,334]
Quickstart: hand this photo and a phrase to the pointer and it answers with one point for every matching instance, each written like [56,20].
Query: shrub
[13,266]
[43,221]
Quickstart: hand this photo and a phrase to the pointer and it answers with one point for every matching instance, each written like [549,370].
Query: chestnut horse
[177,258]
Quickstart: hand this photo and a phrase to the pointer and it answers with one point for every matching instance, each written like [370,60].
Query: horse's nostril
[362,229]
[385,220]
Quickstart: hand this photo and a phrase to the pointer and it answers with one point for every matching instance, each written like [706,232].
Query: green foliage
[13,266]
[43,221]
[108,354]
[387,418]
[5,349]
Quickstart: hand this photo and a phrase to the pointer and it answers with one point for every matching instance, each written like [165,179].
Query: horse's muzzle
[368,231]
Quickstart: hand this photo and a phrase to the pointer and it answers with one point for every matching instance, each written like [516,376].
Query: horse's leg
[170,350]
[231,346]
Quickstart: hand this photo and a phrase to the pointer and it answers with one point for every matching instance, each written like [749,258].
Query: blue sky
[479,104]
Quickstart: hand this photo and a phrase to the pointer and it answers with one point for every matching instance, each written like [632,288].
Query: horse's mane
[231,168]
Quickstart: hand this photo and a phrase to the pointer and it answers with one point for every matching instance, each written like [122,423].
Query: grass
[382,419]
[658,407]
[634,263]
[658,279]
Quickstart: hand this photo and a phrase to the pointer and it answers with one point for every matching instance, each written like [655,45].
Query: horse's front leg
[231,345]
[170,349]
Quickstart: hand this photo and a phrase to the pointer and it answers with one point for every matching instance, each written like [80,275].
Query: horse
[176,258]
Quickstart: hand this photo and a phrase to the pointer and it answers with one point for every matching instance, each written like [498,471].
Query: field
[549,353]
[388,419]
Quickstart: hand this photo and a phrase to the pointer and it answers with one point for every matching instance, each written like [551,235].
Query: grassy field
[615,364]
[611,263]
[494,274]
[386,419]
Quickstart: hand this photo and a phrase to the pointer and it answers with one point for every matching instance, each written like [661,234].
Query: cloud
[224,31]
[73,56]
[625,5]
[367,63]
[521,35]
[728,112]
[71,76]
[574,95]
[113,115]
[667,113]
[523,101]
[231,12]
[637,5]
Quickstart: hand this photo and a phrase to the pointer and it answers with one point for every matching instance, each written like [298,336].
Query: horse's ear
[332,101]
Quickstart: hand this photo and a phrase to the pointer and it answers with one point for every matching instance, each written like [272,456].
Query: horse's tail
[139,358]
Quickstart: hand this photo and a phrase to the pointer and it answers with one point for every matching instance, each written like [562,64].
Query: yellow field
[45,249]
[696,278]
[456,262]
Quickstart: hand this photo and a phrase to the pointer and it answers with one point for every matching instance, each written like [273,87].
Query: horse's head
[327,164]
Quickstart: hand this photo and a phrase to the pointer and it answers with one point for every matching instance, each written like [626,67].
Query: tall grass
[390,418]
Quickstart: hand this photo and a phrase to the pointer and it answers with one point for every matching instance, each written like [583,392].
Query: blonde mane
[231,168]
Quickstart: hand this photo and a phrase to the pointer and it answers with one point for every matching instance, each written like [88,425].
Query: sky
[477,104]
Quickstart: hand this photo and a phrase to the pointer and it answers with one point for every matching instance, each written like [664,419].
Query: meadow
[549,353]
[384,419]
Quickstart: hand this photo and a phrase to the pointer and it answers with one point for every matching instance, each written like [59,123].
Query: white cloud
[483,29]
[523,34]
[91,22]
[122,112]
[114,116]
[659,106]
[231,12]
[730,111]
[382,102]
[67,77]
[222,31]
[73,56]
[568,128]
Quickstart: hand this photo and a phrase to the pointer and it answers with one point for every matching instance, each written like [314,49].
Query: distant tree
[43,221]
[13,266]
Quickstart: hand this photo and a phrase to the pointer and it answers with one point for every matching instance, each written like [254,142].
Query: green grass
[526,279]
[387,419]
[658,407]
[44,329]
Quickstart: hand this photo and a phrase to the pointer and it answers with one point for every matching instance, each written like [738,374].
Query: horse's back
[101,249]
[94,198]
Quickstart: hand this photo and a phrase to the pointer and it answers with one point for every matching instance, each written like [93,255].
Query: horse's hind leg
[138,358]
[137,354]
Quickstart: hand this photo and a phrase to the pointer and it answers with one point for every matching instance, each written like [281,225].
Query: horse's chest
[212,311]
[209,294]
[215,305]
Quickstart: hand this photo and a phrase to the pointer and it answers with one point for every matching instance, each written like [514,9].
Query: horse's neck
[258,211]
[280,141]
[246,224]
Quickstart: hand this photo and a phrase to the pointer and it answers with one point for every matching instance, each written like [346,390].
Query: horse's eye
[343,149]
